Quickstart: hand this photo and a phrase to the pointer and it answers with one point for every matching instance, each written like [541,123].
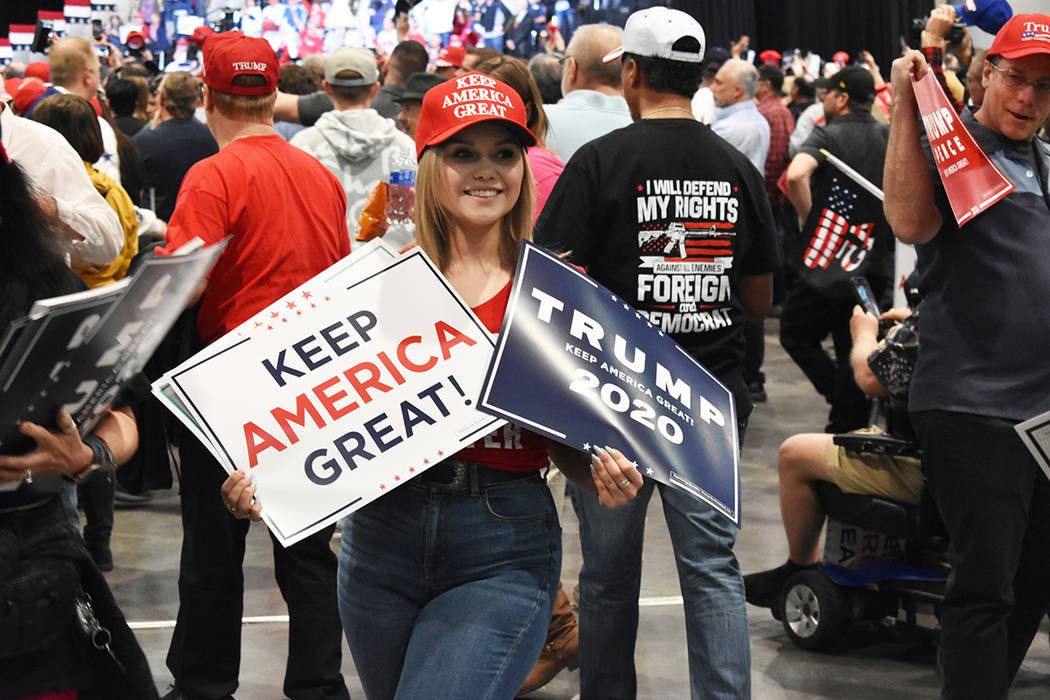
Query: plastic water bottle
[401,194]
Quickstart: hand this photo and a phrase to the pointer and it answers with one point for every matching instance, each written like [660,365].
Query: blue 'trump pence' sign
[580,365]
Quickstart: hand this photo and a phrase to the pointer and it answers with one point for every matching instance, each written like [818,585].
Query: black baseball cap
[417,85]
[852,80]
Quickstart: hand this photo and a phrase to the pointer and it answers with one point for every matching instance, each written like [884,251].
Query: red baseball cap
[135,40]
[840,57]
[451,56]
[230,54]
[27,94]
[1022,35]
[455,104]
[201,34]
[39,69]
[770,57]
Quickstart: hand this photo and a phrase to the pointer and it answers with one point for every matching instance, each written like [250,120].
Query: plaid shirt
[781,124]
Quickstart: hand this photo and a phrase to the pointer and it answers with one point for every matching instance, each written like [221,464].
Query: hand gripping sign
[578,364]
[971,180]
[329,412]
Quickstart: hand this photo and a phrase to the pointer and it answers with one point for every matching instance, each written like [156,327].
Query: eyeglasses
[1017,82]
[563,59]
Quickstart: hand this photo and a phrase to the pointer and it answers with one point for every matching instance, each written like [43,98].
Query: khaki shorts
[894,477]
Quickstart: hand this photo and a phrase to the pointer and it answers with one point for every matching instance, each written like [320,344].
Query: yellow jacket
[118,200]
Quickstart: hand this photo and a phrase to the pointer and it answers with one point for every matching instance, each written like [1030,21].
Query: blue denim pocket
[522,501]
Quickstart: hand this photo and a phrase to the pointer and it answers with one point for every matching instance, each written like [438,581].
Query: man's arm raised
[906,180]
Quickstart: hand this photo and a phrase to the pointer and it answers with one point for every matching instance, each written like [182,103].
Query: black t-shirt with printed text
[668,216]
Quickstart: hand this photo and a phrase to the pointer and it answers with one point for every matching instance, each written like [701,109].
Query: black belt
[453,474]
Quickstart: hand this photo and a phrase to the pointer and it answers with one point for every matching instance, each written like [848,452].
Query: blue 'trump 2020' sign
[580,365]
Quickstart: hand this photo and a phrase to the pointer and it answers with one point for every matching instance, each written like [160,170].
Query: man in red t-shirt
[285,215]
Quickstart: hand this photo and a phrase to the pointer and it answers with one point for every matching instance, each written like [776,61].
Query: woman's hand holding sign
[616,479]
[613,478]
[238,494]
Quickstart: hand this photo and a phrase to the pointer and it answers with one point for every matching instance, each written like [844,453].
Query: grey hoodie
[359,147]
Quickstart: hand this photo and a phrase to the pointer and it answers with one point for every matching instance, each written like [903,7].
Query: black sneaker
[763,588]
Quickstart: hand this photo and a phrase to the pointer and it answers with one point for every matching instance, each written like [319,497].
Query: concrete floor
[876,664]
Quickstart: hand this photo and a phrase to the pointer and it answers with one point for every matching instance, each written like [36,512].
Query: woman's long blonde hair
[432,225]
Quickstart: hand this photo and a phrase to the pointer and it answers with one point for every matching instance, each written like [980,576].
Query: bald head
[586,71]
[735,81]
[74,66]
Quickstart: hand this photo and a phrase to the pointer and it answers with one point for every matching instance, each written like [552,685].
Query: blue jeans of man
[709,577]
[449,595]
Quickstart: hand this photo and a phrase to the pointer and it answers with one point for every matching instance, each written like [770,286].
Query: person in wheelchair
[882,368]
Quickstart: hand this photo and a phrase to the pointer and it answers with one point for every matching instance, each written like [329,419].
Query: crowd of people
[292,144]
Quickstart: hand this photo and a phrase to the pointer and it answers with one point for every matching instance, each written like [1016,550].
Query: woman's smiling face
[482,167]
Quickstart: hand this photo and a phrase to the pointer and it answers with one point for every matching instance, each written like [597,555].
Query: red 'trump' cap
[1022,35]
[230,54]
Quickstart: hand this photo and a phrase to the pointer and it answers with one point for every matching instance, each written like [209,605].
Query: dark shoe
[560,649]
[123,499]
[763,588]
[757,391]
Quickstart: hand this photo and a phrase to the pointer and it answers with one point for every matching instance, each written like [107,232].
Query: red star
[426,461]
[397,478]
[640,188]
[440,453]
[307,295]
[327,298]
[412,470]
[258,323]
[269,328]
[290,305]
[313,306]
[284,320]
[382,487]
[298,313]
[274,314]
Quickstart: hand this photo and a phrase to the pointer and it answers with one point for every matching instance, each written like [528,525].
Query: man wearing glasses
[985,326]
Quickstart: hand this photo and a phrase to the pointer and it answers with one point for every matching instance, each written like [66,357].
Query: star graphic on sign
[440,453]
[661,333]
[586,447]
[313,306]
[648,471]
[269,328]
[327,298]
[426,461]
[284,320]
[298,313]
[274,314]
[637,315]
[649,323]
[627,307]
[640,188]
[397,478]
[634,464]
[306,295]
[411,470]
[382,487]
[613,297]
[258,323]
[290,305]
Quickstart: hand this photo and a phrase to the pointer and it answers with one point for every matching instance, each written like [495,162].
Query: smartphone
[40,36]
[865,295]
[96,29]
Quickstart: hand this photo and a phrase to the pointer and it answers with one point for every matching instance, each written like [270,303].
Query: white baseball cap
[654,31]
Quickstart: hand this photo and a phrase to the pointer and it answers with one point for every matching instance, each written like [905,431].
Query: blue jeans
[449,595]
[610,578]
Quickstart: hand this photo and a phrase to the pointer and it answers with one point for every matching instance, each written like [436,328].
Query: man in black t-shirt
[173,146]
[679,226]
[845,234]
